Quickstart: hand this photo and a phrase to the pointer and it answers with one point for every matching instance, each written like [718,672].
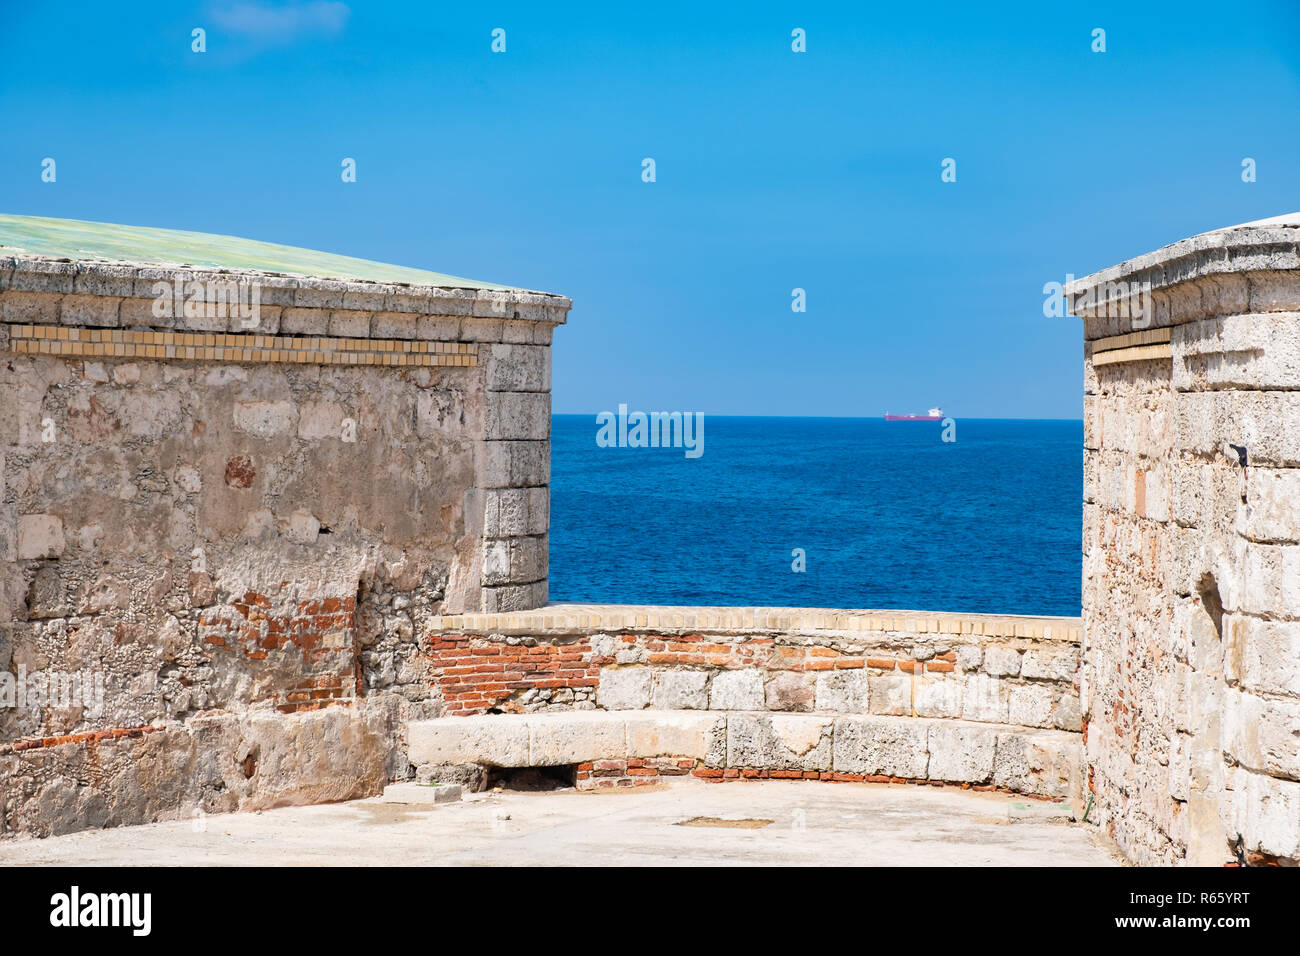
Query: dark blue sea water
[889,516]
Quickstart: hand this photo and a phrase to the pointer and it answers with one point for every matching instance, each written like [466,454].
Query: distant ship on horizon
[933,415]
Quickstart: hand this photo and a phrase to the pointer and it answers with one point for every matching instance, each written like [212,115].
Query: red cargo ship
[934,415]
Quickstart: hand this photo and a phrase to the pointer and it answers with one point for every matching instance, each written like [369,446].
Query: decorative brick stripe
[224,347]
[96,736]
[1130,339]
[1139,353]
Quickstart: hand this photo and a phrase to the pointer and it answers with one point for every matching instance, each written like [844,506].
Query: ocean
[886,513]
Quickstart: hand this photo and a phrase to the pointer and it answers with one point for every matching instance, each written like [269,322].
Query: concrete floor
[812,823]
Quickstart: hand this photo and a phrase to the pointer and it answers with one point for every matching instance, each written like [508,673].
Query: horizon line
[881,417]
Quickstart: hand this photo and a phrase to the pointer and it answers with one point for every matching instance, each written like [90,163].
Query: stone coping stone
[592,618]
[1264,245]
[110,251]
[1026,760]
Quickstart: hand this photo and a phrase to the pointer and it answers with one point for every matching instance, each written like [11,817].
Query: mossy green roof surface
[102,241]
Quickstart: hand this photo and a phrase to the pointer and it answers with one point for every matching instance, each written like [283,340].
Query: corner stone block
[1043,762]
[516,464]
[961,753]
[882,745]
[524,416]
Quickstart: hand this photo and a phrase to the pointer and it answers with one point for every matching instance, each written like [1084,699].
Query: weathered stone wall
[1191,584]
[873,696]
[223,528]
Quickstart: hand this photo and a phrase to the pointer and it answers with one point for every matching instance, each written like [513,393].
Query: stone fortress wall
[311,559]
[235,532]
[1191,581]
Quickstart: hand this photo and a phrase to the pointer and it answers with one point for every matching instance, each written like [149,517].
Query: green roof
[143,245]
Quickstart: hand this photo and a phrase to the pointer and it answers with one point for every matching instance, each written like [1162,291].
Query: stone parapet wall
[629,748]
[1003,670]
[211,516]
[1191,680]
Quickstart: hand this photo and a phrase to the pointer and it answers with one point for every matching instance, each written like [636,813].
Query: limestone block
[891,746]
[1030,705]
[674,734]
[1001,661]
[1272,509]
[318,420]
[961,752]
[518,416]
[890,695]
[779,741]
[516,464]
[1270,579]
[1044,762]
[969,657]
[39,536]
[1270,814]
[1263,655]
[574,737]
[266,419]
[514,597]
[987,699]
[677,689]
[501,740]
[345,323]
[939,697]
[1261,733]
[91,310]
[1068,713]
[519,368]
[299,321]
[1050,664]
[791,690]
[842,692]
[737,690]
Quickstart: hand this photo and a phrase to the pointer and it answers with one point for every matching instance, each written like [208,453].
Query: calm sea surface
[887,514]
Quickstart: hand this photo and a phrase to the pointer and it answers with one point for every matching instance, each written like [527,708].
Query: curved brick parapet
[635,694]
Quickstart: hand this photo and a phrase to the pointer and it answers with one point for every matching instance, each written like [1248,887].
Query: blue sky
[775,170]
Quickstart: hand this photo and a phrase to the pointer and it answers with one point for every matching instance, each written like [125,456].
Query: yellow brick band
[1139,353]
[67,342]
[1142,337]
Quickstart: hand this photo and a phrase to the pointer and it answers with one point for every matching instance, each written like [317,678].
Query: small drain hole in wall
[533,778]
